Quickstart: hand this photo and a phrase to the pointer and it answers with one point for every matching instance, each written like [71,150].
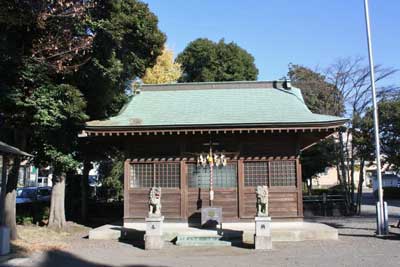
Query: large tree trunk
[360,186]
[3,188]
[85,189]
[344,174]
[352,185]
[10,199]
[57,206]
[10,214]
[339,177]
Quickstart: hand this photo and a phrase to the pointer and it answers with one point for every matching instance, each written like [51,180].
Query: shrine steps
[280,231]
[206,240]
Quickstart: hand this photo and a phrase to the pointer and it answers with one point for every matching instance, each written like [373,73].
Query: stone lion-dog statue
[262,201]
[155,202]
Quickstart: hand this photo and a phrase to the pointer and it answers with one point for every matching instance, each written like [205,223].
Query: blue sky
[278,32]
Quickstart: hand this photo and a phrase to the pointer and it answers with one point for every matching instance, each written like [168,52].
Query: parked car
[44,194]
[33,194]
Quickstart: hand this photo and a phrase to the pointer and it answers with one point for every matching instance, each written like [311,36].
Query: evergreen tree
[206,61]
[320,97]
[41,42]
[126,42]
[59,59]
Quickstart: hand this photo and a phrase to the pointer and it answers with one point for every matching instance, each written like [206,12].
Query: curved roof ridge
[214,85]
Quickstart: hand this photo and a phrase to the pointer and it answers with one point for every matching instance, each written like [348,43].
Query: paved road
[357,246]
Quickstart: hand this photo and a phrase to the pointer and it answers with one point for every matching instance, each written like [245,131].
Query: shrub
[24,220]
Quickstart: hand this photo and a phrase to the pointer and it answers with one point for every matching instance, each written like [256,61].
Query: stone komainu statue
[155,201]
[262,201]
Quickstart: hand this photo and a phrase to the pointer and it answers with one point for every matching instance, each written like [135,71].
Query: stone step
[198,238]
[204,240]
[217,243]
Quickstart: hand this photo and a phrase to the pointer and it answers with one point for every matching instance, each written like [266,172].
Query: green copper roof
[214,104]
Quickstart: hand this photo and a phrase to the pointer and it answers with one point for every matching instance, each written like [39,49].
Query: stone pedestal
[4,240]
[262,238]
[211,217]
[153,237]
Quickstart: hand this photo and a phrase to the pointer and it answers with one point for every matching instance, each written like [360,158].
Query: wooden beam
[126,188]
[184,189]
[299,189]
[241,194]
[329,128]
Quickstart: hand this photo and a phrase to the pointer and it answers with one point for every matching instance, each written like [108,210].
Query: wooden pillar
[299,178]
[184,190]
[299,188]
[127,178]
[87,165]
[3,188]
[241,188]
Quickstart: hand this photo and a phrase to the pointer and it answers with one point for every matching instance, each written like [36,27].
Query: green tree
[41,42]
[44,118]
[344,89]
[127,40]
[352,78]
[389,118]
[320,97]
[111,174]
[389,132]
[48,49]
[205,61]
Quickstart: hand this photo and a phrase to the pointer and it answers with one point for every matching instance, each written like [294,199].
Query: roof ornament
[286,83]
[136,86]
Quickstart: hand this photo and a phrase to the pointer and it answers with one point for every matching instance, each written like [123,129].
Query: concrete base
[262,237]
[153,238]
[154,225]
[280,231]
[4,240]
[152,242]
[262,242]
[106,232]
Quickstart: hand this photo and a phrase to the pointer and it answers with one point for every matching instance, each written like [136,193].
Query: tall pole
[381,229]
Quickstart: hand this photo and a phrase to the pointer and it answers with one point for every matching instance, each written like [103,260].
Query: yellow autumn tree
[164,71]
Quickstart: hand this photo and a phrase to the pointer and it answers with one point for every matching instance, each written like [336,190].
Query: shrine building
[255,132]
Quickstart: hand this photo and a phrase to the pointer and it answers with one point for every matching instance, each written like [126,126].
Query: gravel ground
[357,246]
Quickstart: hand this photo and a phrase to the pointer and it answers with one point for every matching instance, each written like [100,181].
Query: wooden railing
[324,202]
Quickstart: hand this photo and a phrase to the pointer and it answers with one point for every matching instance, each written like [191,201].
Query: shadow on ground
[64,259]
[341,226]
[392,235]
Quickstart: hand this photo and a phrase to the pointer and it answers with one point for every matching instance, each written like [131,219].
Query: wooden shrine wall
[182,202]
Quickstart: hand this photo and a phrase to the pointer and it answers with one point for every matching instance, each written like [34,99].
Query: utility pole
[381,218]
